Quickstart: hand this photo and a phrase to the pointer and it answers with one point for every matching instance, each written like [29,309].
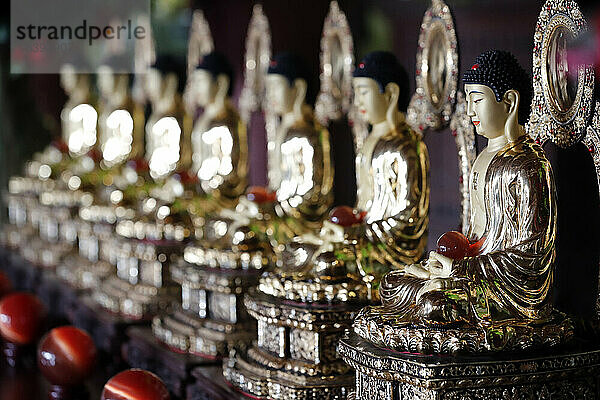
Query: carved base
[385,374]
[134,302]
[294,356]
[209,384]
[81,273]
[204,337]
[143,350]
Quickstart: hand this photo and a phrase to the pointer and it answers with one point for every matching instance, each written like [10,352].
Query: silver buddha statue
[491,290]
[325,278]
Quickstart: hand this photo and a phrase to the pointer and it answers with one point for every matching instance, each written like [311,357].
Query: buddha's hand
[436,284]
[439,266]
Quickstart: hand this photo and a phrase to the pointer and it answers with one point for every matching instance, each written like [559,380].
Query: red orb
[454,245]
[21,317]
[186,178]
[135,384]
[66,356]
[5,285]
[346,216]
[260,194]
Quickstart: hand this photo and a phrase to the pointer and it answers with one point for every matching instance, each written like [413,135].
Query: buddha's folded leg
[398,291]
[438,308]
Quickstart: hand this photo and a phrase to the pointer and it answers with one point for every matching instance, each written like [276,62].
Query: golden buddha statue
[492,290]
[388,229]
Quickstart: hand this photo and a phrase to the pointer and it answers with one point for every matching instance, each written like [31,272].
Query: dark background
[30,104]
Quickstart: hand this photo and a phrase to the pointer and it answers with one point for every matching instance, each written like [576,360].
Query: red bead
[346,216]
[453,244]
[135,384]
[139,164]
[260,194]
[61,145]
[5,285]
[21,317]
[66,356]
[186,178]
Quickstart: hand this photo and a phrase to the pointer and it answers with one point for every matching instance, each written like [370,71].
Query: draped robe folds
[394,192]
[509,281]
[220,157]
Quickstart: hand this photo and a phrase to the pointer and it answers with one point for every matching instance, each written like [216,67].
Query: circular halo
[256,63]
[437,70]
[561,108]
[337,62]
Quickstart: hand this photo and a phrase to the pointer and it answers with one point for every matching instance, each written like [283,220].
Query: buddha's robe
[394,193]
[509,281]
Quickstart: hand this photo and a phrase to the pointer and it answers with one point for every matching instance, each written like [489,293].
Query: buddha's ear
[511,99]
[169,84]
[222,85]
[392,93]
[300,88]
[511,128]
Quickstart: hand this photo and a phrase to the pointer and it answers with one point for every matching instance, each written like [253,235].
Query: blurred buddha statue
[490,291]
[304,169]
[78,117]
[219,142]
[389,226]
[119,135]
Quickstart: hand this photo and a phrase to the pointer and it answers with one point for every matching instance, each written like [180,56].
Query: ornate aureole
[592,141]
[256,63]
[437,70]
[561,108]
[200,42]
[337,62]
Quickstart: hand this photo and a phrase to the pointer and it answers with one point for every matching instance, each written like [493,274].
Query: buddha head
[380,88]
[164,78]
[286,84]
[498,92]
[70,80]
[110,82]
[212,81]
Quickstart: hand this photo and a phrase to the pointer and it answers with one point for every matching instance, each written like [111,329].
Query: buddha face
[68,78]
[105,80]
[153,84]
[204,87]
[372,105]
[488,115]
[279,94]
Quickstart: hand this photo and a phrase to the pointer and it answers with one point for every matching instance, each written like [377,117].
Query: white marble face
[153,84]
[204,87]
[68,77]
[488,115]
[372,105]
[105,80]
[279,94]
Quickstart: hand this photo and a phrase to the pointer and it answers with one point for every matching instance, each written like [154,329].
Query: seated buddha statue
[491,290]
[388,228]
[304,169]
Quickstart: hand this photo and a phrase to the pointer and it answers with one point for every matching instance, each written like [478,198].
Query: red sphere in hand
[454,245]
[260,194]
[61,145]
[346,216]
[135,384]
[139,164]
[186,178]
[21,317]
[5,285]
[66,356]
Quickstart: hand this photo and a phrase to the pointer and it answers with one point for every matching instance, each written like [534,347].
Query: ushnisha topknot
[216,64]
[500,71]
[288,65]
[383,67]
[167,63]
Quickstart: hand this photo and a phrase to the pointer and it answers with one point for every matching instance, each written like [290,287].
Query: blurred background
[30,104]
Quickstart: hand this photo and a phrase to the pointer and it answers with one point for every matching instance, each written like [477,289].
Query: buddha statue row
[202,257]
